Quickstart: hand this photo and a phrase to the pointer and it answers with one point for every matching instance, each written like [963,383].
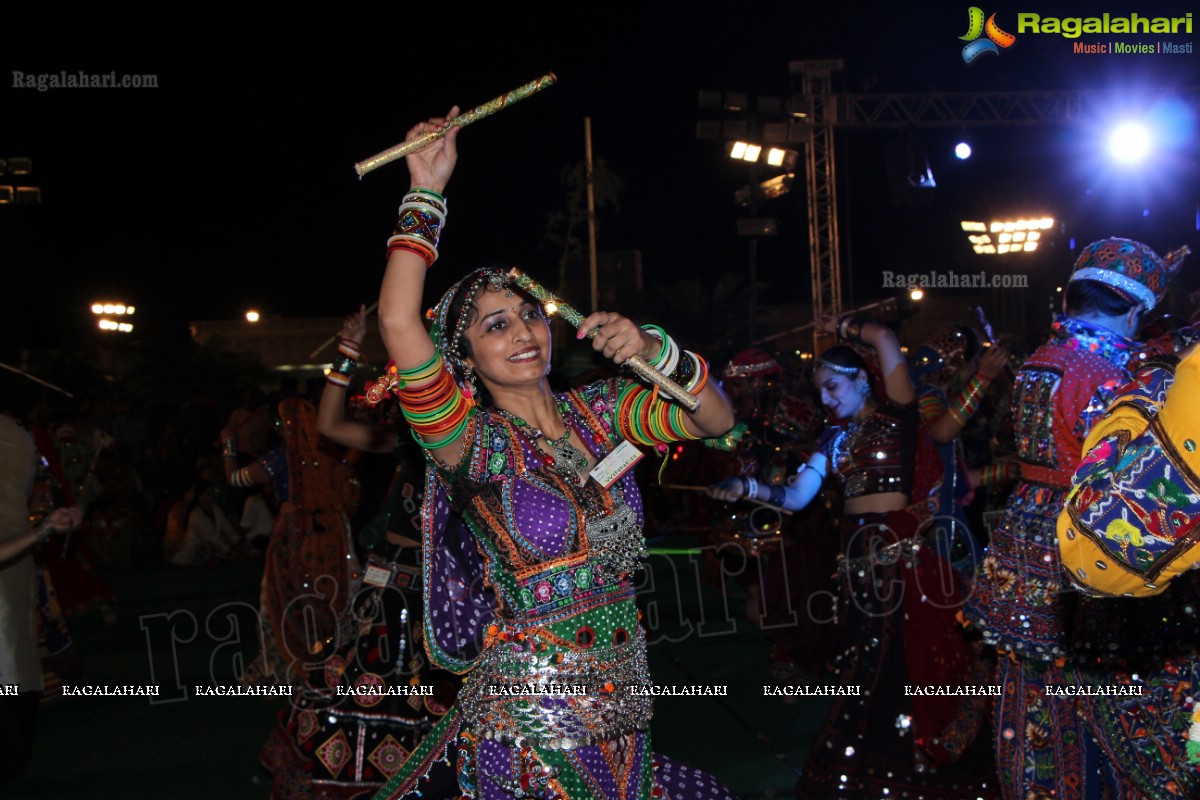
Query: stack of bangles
[998,474]
[342,370]
[422,215]
[963,407]
[849,330]
[437,410]
[229,449]
[682,366]
[241,478]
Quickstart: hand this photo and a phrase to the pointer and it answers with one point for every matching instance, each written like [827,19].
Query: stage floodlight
[252,316]
[739,150]
[962,151]
[1129,143]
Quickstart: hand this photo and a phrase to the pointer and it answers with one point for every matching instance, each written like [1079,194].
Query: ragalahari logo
[976,28]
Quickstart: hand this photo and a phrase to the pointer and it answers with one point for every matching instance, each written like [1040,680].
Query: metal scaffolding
[814,113]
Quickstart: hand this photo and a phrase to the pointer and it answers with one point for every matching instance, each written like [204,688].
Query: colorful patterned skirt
[355,720]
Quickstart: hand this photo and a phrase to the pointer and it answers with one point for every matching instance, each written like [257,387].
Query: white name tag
[616,464]
[377,576]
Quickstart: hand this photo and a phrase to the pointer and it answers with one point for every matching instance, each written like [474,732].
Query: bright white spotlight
[962,150]
[253,316]
[1129,143]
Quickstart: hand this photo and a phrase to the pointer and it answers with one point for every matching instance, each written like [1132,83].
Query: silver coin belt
[617,541]
[548,712]
[885,556]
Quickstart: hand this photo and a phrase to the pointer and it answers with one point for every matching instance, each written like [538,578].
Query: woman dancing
[308,578]
[364,707]
[898,596]
[528,545]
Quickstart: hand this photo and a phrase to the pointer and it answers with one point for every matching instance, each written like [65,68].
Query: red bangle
[426,255]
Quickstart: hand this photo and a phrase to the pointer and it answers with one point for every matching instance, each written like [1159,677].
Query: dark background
[230,185]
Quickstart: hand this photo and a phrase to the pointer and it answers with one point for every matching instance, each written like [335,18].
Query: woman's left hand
[617,337]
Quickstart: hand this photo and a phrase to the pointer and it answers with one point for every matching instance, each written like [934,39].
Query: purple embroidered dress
[528,590]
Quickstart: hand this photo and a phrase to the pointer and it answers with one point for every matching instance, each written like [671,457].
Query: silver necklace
[567,460]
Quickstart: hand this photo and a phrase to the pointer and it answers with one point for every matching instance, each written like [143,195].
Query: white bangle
[752,488]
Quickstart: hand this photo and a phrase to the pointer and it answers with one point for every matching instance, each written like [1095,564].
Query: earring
[862,385]
[469,379]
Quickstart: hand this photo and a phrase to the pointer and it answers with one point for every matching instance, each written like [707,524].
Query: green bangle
[429,192]
[416,371]
[664,341]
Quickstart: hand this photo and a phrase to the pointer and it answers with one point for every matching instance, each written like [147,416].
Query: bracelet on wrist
[43,531]
[422,215]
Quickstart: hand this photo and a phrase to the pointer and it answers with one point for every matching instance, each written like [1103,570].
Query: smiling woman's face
[509,340]
[839,393]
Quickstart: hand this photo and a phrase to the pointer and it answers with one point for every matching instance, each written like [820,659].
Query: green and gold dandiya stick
[636,363]
[477,113]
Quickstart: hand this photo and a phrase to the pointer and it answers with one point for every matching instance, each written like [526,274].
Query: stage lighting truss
[1007,236]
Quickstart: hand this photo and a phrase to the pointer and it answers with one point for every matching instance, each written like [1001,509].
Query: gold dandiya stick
[477,113]
[636,363]
[334,338]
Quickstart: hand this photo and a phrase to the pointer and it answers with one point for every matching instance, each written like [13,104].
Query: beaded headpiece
[461,295]
[840,369]
[753,363]
[1130,267]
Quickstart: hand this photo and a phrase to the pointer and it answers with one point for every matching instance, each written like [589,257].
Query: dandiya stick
[636,363]
[25,374]
[334,338]
[685,488]
[475,114]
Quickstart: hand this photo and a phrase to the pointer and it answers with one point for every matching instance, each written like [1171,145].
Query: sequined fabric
[867,454]
[897,630]
[307,578]
[351,725]
[1060,391]
[1070,747]
[518,595]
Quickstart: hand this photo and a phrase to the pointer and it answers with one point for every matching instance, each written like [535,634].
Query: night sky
[231,185]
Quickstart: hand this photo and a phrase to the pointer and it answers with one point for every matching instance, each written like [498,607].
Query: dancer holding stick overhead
[532,521]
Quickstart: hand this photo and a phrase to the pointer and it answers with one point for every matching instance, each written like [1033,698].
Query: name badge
[616,464]
[377,576]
